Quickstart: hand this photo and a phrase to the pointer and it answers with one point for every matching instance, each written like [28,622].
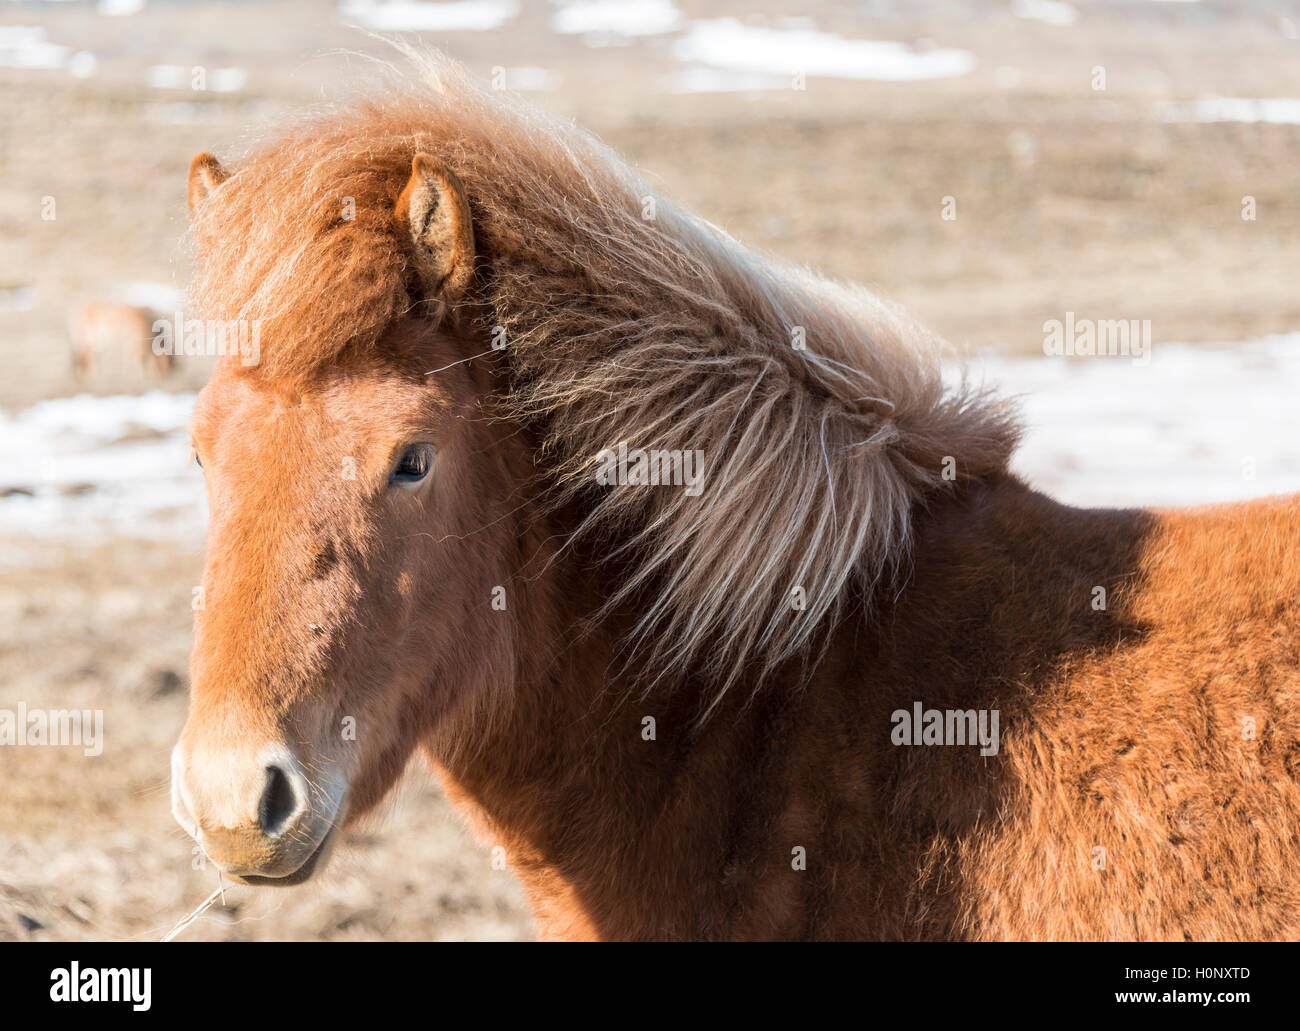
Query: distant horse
[706,599]
[115,338]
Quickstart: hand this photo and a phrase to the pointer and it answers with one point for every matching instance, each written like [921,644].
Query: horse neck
[551,735]
[615,835]
[580,763]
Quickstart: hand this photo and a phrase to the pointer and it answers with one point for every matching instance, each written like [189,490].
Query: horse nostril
[279,803]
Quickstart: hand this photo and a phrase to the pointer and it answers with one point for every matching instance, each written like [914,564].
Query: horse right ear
[435,211]
[206,174]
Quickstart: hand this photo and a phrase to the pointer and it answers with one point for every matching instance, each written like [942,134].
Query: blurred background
[992,166]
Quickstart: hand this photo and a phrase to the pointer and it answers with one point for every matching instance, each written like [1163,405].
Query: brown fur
[332,597]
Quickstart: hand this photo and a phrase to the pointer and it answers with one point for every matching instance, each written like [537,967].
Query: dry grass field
[1118,202]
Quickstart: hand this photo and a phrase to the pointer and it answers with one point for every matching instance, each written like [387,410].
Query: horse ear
[206,174]
[435,210]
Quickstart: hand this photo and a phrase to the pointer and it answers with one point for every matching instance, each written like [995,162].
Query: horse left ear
[435,209]
[206,174]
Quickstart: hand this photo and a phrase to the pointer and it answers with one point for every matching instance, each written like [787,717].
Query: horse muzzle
[257,816]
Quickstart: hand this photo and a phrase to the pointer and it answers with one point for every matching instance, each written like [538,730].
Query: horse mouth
[298,876]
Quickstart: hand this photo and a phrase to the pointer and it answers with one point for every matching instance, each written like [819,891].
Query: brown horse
[116,338]
[703,596]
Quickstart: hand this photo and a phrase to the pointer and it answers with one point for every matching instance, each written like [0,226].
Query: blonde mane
[821,411]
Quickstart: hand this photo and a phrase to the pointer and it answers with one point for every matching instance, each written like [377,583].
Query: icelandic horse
[678,711]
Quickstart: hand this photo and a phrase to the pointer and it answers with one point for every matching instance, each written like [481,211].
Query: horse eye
[414,466]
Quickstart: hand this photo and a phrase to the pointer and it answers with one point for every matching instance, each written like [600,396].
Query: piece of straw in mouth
[202,908]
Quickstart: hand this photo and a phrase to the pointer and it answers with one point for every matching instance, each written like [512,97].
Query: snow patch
[729,44]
